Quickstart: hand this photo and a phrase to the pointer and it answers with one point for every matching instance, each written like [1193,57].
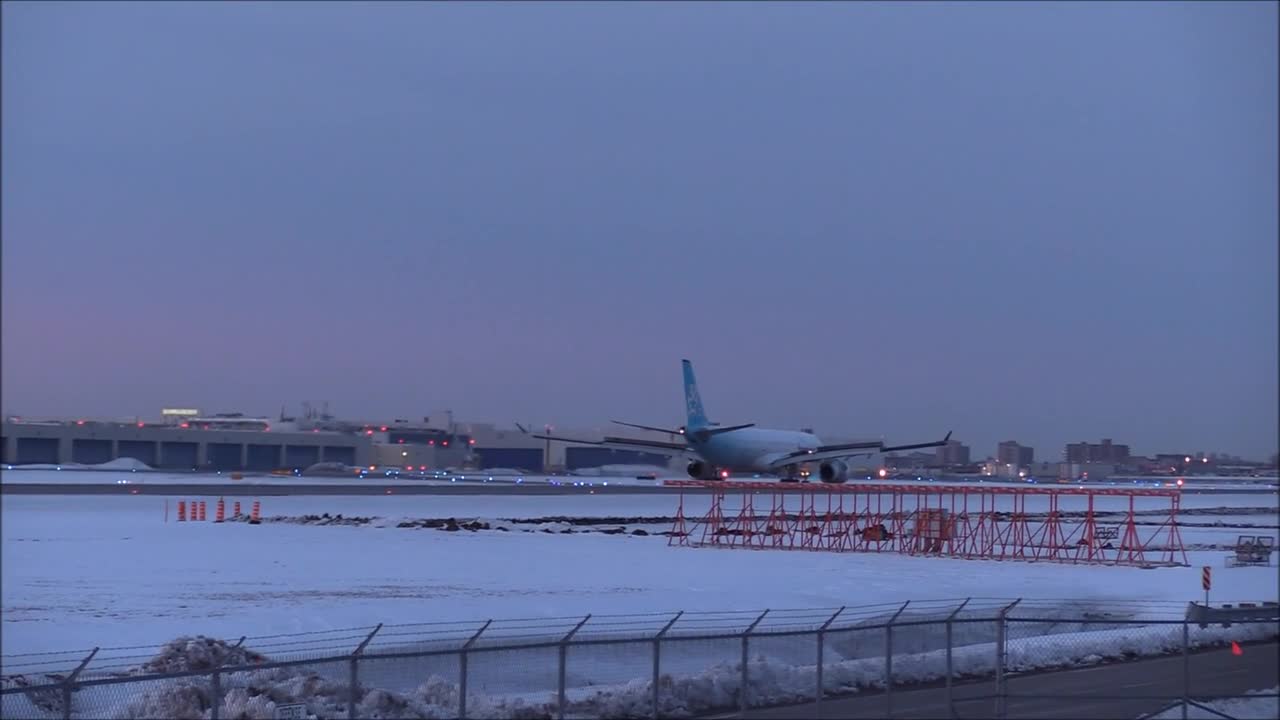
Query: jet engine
[833,471]
[699,470]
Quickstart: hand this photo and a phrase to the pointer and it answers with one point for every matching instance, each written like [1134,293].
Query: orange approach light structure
[1109,526]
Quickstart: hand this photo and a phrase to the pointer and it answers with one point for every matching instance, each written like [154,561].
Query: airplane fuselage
[751,449]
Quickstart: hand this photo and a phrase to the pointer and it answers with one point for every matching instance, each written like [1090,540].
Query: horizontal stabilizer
[669,431]
[630,442]
[621,443]
[710,431]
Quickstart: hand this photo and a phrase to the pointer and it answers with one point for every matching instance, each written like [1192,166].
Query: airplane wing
[621,443]
[835,452]
[669,431]
[704,433]
[917,446]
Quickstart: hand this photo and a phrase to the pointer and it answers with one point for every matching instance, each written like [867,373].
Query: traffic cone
[235,509]
[204,511]
[221,511]
[1235,648]
[182,511]
[256,518]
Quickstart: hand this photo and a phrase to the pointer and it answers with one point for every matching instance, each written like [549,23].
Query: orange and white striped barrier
[257,510]
[204,511]
[221,513]
[235,509]
[182,511]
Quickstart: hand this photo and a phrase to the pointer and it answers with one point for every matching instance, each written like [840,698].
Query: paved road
[1110,692]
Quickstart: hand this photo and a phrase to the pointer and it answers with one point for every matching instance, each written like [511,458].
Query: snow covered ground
[80,571]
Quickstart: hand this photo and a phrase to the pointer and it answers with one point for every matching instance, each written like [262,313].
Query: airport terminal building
[171,447]
[187,441]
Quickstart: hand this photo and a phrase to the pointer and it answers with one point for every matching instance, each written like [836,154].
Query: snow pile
[255,694]
[183,700]
[1262,708]
[256,697]
[124,463]
[119,464]
[187,654]
[1122,643]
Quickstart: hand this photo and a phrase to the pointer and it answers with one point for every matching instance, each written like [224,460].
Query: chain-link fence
[972,658]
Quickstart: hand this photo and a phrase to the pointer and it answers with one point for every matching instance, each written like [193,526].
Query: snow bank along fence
[656,665]
[197,511]
[1111,526]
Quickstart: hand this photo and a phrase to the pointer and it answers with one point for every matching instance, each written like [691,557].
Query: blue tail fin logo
[696,415]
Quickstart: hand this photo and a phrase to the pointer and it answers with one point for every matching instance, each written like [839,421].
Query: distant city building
[1048,470]
[953,453]
[911,461]
[1139,464]
[1188,463]
[1010,452]
[1091,470]
[1104,452]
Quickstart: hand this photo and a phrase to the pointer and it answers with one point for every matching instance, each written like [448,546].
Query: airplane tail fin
[696,415]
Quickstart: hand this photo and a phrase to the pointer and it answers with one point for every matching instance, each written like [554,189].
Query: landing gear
[792,475]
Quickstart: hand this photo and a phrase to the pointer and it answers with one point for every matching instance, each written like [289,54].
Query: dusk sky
[1046,223]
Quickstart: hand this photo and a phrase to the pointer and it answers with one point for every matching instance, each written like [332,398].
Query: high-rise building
[1104,452]
[953,453]
[1010,452]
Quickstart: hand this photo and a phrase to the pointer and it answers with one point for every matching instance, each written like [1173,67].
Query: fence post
[1186,667]
[821,633]
[888,661]
[951,708]
[1000,652]
[355,673]
[746,639]
[564,652]
[462,670]
[71,680]
[215,683]
[657,643]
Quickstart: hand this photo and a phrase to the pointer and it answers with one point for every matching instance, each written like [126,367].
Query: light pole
[546,452]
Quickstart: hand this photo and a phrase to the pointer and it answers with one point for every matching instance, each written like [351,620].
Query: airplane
[720,451]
